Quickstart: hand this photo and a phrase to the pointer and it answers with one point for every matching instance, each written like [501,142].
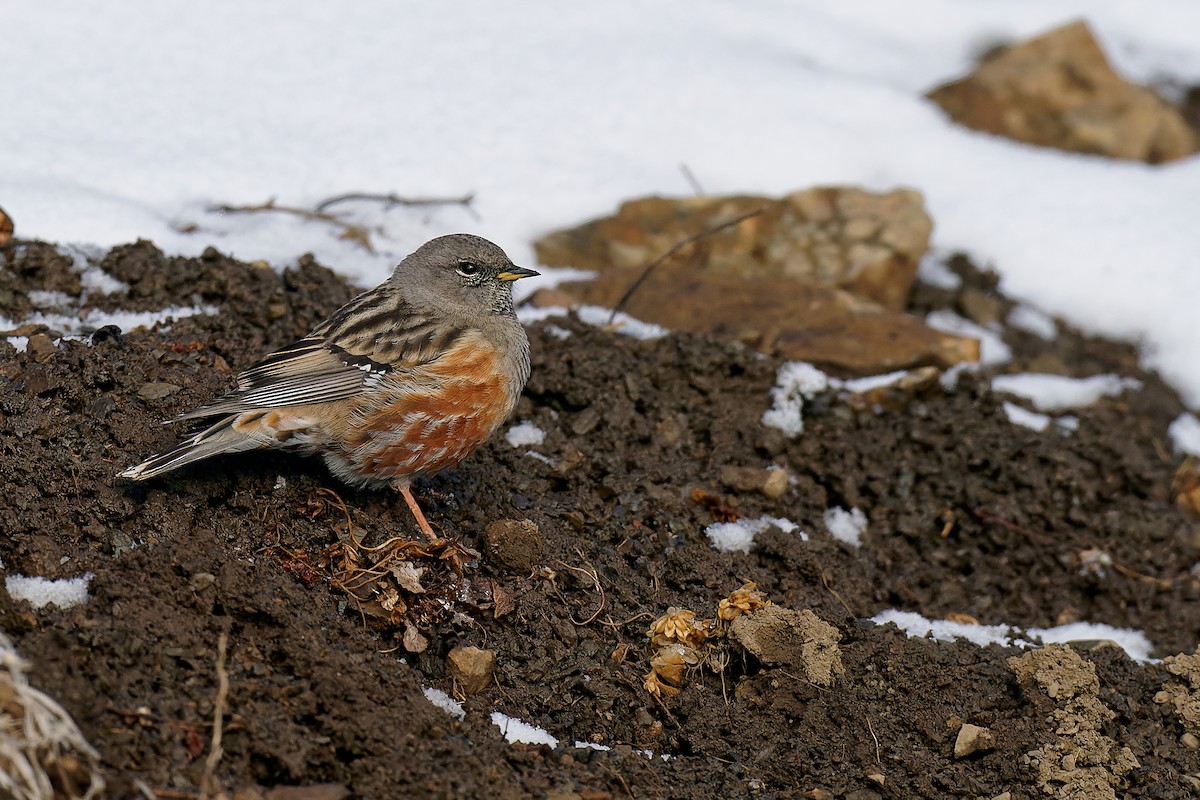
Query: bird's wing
[373,336]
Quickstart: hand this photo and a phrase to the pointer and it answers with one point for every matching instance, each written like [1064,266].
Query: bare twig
[675,249]
[595,576]
[351,232]
[878,762]
[391,199]
[690,177]
[208,784]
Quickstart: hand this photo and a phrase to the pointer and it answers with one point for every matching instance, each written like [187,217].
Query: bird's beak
[515,273]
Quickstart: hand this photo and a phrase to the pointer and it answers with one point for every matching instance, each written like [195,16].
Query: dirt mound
[337,623]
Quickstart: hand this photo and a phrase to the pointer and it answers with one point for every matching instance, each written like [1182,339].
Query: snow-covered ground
[131,120]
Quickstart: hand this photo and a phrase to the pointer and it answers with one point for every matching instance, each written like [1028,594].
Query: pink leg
[416,512]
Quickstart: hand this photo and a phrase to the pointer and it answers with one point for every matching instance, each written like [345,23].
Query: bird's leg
[422,523]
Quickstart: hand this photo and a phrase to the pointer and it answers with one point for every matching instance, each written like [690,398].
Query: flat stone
[157,391]
[778,316]
[834,237]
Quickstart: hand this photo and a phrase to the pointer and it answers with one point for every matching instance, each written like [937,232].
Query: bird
[403,381]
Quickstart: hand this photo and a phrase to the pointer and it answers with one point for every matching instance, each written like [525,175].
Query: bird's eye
[467,269]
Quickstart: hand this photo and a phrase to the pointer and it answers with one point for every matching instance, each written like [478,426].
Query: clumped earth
[324,593]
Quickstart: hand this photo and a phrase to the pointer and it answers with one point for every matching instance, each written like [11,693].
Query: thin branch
[350,231]
[690,177]
[675,249]
[391,199]
[207,783]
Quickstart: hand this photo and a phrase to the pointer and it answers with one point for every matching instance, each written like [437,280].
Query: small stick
[350,231]
[878,762]
[392,199]
[207,782]
[690,177]
[675,249]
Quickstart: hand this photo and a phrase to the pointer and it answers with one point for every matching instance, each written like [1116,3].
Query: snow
[1185,434]
[41,592]
[1057,392]
[515,731]
[1026,418]
[552,114]
[992,349]
[738,537]
[795,381]
[525,434]
[846,526]
[1031,320]
[597,317]
[1134,643]
[445,702]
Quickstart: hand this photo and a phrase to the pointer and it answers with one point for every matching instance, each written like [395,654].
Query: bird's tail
[226,436]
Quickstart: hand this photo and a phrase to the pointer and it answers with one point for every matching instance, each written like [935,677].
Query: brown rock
[515,544]
[1185,486]
[6,228]
[471,667]
[1058,90]
[40,346]
[157,391]
[778,635]
[973,739]
[778,316]
[832,237]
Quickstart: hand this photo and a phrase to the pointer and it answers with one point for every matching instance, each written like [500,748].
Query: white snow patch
[1057,392]
[846,526]
[591,746]
[932,269]
[1030,320]
[445,702]
[992,349]
[516,731]
[597,317]
[1133,642]
[41,592]
[96,281]
[1026,418]
[795,382]
[525,434]
[1185,434]
[730,537]
[73,325]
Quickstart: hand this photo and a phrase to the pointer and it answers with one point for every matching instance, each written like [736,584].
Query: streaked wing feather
[374,335]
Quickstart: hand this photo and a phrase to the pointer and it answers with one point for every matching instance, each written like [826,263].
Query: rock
[514,544]
[777,316]
[6,228]
[778,635]
[41,347]
[471,667]
[832,237]
[1185,486]
[771,483]
[973,739]
[1058,90]
[776,484]
[157,391]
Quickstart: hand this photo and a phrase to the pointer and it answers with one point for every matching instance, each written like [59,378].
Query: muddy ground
[969,515]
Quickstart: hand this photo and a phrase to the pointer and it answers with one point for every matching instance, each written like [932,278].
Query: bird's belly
[420,434]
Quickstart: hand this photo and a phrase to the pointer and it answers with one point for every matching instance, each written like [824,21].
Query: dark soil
[969,515]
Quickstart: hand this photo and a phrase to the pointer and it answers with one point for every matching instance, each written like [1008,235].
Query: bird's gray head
[461,274]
